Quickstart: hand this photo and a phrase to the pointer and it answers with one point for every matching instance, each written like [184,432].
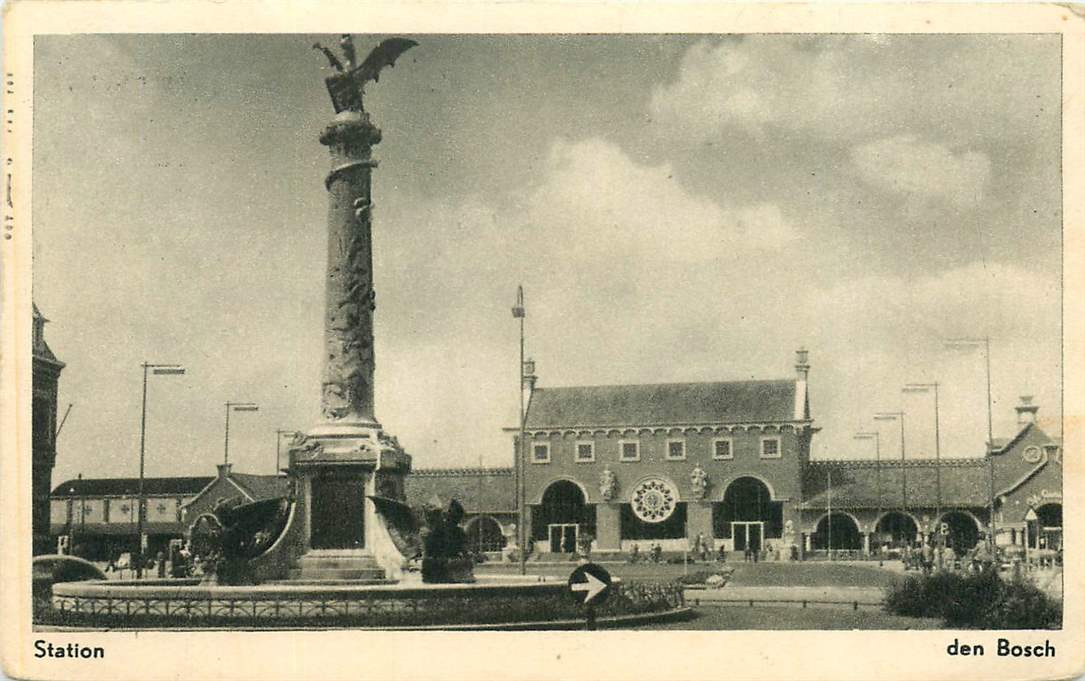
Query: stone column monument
[347,458]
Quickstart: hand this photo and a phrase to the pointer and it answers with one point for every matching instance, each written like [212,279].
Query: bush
[978,601]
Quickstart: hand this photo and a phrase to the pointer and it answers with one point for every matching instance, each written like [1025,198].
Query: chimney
[1026,411]
[224,470]
[802,367]
[529,376]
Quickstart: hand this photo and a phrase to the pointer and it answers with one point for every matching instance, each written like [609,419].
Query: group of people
[925,557]
[178,562]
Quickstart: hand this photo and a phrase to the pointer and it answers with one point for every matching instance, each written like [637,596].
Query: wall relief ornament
[608,484]
[698,481]
[654,500]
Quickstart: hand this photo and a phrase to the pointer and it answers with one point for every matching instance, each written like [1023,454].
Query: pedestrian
[721,554]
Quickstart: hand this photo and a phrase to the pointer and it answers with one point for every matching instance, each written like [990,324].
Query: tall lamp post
[985,343]
[929,388]
[234,406]
[876,436]
[520,312]
[156,370]
[898,416]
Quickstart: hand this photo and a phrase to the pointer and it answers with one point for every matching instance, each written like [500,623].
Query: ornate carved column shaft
[350,301]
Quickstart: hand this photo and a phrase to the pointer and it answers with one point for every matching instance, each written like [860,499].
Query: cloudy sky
[678,208]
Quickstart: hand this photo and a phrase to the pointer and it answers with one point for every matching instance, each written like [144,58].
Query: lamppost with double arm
[234,406]
[876,436]
[898,416]
[156,370]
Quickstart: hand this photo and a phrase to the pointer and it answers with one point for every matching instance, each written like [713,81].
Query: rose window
[654,500]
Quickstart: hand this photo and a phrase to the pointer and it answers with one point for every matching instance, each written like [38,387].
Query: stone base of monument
[337,565]
[492,602]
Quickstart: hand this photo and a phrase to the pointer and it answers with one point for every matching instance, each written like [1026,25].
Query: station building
[645,464]
[728,464]
[871,504]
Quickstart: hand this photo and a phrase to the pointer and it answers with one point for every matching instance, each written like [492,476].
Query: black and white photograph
[598,331]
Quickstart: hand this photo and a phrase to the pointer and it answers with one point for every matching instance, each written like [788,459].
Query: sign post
[590,586]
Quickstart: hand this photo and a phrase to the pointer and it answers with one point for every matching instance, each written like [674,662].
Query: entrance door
[563,537]
[337,506]
[747,535]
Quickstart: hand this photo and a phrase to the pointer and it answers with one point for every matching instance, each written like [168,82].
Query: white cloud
[921,169]
[860,87]
[599,200]
[876,333]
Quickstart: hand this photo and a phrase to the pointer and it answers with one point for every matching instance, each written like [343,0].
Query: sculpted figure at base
[232,534]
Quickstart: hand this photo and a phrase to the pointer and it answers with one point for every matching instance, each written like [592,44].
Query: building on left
[45,381]
[96,518]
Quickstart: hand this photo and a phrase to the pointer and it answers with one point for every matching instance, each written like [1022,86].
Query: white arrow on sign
[594,586]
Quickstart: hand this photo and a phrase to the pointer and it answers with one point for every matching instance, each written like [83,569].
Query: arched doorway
[896,529]
[963,532]
[1047,533]
[562,517]
[747,516]
[484,534]
[837,531]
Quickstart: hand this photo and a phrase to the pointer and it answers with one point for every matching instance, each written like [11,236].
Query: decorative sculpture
[432,534]
[347,385]
[698,482]
[234,533]
[444,546]
[347,86]
[608,484]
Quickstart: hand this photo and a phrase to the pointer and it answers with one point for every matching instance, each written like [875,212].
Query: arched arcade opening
[484,534]
[896,529]
[564,515]
[963,532]
[747,515]
[1046,531]
[837,531]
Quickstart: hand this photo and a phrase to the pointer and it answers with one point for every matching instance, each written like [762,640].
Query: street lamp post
[234,406]
[876,436]
[985,343]
[898,416]
[933,388]
[520,312]
[156,370]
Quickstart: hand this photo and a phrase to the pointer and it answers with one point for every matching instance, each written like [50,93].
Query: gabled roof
[262,487]
[116,487]
[664,404]
[964,483]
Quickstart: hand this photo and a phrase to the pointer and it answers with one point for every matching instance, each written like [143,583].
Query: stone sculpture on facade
[608,484]
[698,482]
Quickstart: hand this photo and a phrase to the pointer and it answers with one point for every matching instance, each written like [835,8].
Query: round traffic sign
[590,584]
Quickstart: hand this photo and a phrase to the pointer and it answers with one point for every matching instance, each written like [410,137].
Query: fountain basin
[492,601]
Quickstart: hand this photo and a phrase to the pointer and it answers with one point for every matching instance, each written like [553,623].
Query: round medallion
[1032,454]
[654,500]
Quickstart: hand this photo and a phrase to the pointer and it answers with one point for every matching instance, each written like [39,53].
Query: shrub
[978,601]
